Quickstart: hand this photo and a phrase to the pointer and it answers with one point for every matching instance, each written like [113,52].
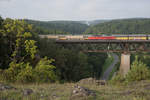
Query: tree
[17,45]
[1,20]
[139,71]
[44,71]
[18,53]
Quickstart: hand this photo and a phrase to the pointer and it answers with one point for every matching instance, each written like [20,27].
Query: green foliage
[118,79]
[12,72]
[20,61]
[58,27]
[114,70]
[44,71]
[139,71]
[124,26]
[31,49]
[18,72]
[1,20]
[72,64]
[16,35]
[24,73]
[17,54]
[107,63]
[143,57]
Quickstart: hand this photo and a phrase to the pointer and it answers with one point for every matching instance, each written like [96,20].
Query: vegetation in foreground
[133,91]
[135,86]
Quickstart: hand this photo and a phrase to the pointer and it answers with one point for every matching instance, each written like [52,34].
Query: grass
[107,63]
[41,92]
[115,69]
[133,91]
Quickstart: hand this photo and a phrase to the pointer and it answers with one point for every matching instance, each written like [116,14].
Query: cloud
[74,9]
[5,0]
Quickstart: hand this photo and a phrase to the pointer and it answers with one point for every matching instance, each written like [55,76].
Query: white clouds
[74,9]
[4,0]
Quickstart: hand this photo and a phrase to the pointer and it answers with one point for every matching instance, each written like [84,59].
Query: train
[98,37]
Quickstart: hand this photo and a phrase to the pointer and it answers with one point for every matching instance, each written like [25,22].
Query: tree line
[58,27]
[122,26]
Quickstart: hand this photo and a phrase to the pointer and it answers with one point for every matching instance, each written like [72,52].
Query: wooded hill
[118,26]
[122,26]
[58,27]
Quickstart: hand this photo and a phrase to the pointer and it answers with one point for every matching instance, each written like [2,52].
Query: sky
[48,10]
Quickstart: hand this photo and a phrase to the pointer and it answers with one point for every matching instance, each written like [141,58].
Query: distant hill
[122,26]
[118,26]
[93,22]
[58,27]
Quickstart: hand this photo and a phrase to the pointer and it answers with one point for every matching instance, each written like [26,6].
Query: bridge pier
[125,63]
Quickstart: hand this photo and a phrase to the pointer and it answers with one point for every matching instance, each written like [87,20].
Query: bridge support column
[125,64]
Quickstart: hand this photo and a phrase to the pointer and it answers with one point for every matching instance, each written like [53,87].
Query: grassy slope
[115,69]
[107,63]
[135,91]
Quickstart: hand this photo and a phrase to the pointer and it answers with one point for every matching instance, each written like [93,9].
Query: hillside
[58,27]
[122,26]
[118,26]
[93,22]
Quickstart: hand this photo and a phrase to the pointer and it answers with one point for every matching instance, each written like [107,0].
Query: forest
[122,26]
[118,26]
[58,27]
[27,58]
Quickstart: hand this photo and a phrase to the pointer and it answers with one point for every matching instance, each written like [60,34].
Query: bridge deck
[102,41]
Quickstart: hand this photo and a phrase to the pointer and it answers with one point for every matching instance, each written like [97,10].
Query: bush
[11,73]
[139,71]
[1,75]
[118,79]
[24,73]
[44,71]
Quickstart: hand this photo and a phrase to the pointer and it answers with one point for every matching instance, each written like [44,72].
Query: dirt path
[109,69]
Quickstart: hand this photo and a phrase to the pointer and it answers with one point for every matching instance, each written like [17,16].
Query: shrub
[1,75]
[14,69]
[118,79]
[44,71]
[139,71]
[26,74]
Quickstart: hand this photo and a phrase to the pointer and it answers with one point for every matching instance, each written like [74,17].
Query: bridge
[125,47]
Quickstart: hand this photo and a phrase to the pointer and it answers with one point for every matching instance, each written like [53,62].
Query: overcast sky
[74,9]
